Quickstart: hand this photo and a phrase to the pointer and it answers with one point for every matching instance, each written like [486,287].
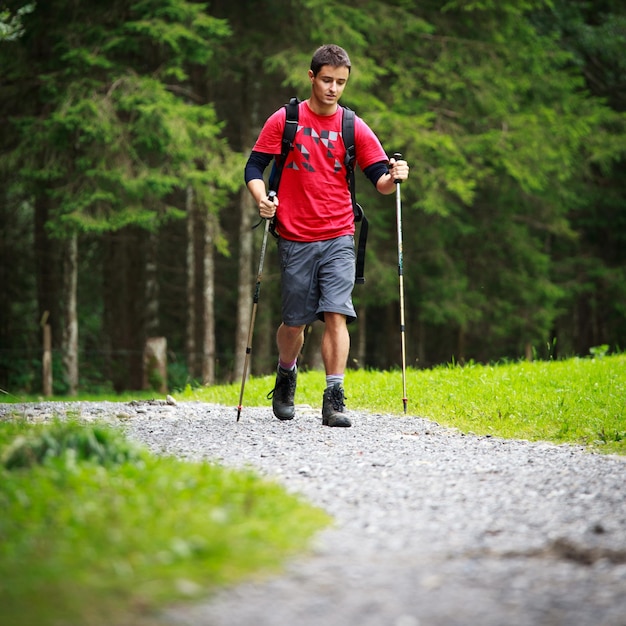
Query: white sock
[333,379]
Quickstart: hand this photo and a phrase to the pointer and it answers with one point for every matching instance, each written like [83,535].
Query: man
[315,227]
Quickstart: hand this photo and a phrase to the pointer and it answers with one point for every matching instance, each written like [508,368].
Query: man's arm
[253,174]
[384,174]
[398,170]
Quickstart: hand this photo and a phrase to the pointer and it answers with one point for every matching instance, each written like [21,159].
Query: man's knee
[291,331]
[334,320]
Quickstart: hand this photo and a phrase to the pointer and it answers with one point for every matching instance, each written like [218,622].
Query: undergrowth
[96,531]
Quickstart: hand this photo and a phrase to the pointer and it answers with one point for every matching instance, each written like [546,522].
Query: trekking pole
[397,156]
[255,302]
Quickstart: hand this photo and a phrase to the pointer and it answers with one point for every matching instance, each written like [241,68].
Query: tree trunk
[421,338]
[244,282]
[151,287]
[528,351]
[46,257]
[393,350]
[69,348]
[47,358]
[155,364]
[461,345]
[190,336]
[208,299]
[124,269]
[361,349]
[269,313]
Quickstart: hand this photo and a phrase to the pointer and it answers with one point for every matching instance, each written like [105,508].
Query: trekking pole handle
[271,196]
[397,157]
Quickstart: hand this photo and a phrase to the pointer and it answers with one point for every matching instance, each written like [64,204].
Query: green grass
[579,401]
[96,532]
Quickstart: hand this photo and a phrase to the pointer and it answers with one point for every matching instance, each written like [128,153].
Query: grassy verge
[580,401]
[95,532]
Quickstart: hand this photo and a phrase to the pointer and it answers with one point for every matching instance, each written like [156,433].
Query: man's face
[328,85]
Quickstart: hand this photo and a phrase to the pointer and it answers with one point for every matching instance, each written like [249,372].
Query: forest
[125,127]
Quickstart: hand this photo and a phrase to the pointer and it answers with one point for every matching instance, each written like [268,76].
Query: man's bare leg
[335,344]
[289,340]
[335,350]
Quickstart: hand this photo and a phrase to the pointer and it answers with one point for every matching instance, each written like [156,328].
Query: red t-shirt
[314,199]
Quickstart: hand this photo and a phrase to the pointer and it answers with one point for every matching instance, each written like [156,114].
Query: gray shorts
[316,277]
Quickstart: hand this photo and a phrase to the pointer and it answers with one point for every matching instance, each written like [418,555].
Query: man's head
[332,55]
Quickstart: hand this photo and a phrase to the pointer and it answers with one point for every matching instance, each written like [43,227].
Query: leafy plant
[71,442]
[599,351]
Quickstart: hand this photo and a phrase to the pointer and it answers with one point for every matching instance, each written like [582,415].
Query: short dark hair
[332,55]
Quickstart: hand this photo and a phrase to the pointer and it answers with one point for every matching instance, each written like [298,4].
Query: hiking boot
[333,407]
[283,394]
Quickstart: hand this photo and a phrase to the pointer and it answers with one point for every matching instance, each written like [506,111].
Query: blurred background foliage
[126,125]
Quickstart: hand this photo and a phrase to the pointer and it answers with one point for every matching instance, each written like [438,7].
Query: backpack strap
[287,143]
[286,146]
[347,131]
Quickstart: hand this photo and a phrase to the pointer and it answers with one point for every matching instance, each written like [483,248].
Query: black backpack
[347,131]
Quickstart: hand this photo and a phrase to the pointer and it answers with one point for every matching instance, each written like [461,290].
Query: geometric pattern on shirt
[328,139]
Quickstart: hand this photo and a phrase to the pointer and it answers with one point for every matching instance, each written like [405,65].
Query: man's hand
[267,208]
[398,170]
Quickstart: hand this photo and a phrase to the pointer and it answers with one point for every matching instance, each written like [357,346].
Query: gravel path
[433,528]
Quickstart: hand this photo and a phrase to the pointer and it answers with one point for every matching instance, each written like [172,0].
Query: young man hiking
[314,221]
